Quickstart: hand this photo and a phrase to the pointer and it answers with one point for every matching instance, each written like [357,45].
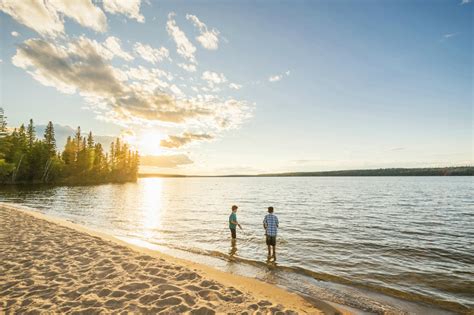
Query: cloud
[36,15]
[448,36]
[150,79]
[166,161]
[275,78]
[184,47]
[187,67]
[184,139]
[113,44]
[176,90]
[46,17]
[126,96]
[15,34]
[83,12]
[208,39]
[278,77]
[151,54]
[235,86]
[129,8]
[213,78]
[465,1]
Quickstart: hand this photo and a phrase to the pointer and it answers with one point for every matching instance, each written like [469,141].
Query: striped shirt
[271,224]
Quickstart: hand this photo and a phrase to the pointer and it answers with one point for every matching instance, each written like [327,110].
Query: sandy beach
[51,265]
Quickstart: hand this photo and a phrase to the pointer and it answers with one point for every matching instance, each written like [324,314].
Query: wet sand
[51,265]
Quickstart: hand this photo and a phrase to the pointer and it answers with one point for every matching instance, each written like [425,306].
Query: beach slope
[50,265]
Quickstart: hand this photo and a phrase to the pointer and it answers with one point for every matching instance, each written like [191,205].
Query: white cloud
[235,86]
[278,77]
[213,78]
[142,73]
[187,67]
[113,44]
[129,8]
[465,1]
[151,54]
[184,139]
[83,12]
[108,50]
[184,47]
[36,15]
[208,39]
[15,34]
[275,78]
[176,91]
[46,17]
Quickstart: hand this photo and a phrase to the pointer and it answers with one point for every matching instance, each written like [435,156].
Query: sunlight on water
[151,206]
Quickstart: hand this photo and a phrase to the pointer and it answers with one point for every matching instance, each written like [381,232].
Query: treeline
[26,159]
[434,171]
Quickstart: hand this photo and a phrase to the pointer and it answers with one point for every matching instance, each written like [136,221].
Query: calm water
[409,237]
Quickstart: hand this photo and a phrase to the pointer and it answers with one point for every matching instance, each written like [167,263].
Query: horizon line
[347,172]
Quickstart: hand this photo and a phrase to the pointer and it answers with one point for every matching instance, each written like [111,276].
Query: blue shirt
[232,217]
[271,224]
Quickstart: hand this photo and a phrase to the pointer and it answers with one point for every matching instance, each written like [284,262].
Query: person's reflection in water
[233,248]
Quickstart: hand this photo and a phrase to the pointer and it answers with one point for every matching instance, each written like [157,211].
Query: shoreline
[230,292]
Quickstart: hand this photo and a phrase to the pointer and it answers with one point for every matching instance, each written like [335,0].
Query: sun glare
[146,143]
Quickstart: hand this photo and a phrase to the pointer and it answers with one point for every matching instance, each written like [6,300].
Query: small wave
[408,296]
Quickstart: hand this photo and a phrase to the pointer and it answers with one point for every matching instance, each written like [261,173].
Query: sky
[248,87]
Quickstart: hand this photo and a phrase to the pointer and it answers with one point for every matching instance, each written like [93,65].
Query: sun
[147,143]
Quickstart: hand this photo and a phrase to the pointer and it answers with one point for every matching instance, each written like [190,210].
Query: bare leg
[274,253]
[269,252]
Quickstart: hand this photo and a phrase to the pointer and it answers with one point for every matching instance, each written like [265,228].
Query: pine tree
[49,139]
[31,134]
[4,145]
[3,124]
[90,141]
[68,154]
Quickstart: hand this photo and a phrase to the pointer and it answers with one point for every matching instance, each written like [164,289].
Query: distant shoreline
[438,171]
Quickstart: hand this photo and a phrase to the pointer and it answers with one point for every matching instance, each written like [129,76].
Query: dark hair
[234,207]
[270,209]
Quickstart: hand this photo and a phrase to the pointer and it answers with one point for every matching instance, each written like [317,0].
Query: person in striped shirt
[270,224]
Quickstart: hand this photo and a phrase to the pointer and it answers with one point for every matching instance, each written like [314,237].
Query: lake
[382,239]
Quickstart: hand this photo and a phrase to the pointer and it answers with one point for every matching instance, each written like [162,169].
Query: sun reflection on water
[151,207]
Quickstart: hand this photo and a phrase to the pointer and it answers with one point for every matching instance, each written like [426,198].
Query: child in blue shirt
[233,222]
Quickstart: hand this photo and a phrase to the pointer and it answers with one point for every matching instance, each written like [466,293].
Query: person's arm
[265,224]
[276,221]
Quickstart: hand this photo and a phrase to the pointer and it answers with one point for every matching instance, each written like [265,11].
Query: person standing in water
[270,224]
[233,223]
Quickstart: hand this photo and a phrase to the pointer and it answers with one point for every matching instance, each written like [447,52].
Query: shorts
[271,240]
[233,233]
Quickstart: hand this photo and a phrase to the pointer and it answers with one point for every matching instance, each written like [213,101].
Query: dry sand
[53,266]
